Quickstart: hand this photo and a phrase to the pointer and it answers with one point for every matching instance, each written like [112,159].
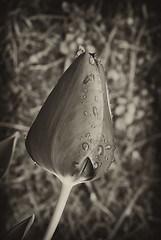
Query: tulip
[72,135]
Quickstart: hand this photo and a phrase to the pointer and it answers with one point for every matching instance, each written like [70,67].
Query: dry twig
[15,126]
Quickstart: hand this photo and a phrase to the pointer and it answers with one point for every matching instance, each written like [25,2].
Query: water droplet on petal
[87,135]
[95,98]
[88,79]
[93,126]
[75,164]
[114,147]
[100,150]
[99,61]
[95,111]
[35,163]
[84,96]
[85,113]
[91,60]
[85,146]
[95,165]
[84,90]
[105,140]
[108,147]
[92,140]
[106,158]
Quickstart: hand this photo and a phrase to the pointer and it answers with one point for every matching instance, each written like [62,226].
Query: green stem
[64,194]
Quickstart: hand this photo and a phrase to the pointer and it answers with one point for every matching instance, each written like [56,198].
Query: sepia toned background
[38,41]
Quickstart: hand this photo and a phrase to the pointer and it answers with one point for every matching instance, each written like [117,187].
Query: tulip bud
[72,135]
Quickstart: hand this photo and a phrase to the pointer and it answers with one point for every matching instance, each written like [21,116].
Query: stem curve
[64,194]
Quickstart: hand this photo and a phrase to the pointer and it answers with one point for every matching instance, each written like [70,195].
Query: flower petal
[103,154]
[69,125]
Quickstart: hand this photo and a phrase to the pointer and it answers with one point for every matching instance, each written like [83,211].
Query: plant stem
[64,194]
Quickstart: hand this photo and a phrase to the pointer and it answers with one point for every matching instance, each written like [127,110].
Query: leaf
[19,231]
[7,148]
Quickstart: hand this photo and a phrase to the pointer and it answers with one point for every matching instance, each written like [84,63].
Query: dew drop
[91,60]
[85,113]
[108,147]
[105,140]
[100,150]
[84,96]
[88,79]
[95,165]
[84,90]
[87,135]
[100,164]
[75,164]
[114,147]
[93,126]
[95,111]
[92,140]
[85,146]
[106,158]
[35,163]
[99,61]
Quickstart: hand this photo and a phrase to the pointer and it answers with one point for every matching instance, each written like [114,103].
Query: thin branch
[95,198]
[41,67]
[47,16]
[142,142]
[15,126]
[107,49]
[127,211]
[126,45]
[133,62]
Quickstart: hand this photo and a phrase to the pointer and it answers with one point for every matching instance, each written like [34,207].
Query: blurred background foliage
[39,40]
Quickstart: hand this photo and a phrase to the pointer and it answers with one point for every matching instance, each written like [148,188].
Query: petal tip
[81,50]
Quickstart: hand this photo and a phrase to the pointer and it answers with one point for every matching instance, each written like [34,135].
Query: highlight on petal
[20,230]
[7,148]
[74,123]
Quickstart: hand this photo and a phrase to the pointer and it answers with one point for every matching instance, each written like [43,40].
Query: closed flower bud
[72,135]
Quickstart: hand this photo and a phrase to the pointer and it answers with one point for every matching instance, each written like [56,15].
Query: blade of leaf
[7,148]
[19,231]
